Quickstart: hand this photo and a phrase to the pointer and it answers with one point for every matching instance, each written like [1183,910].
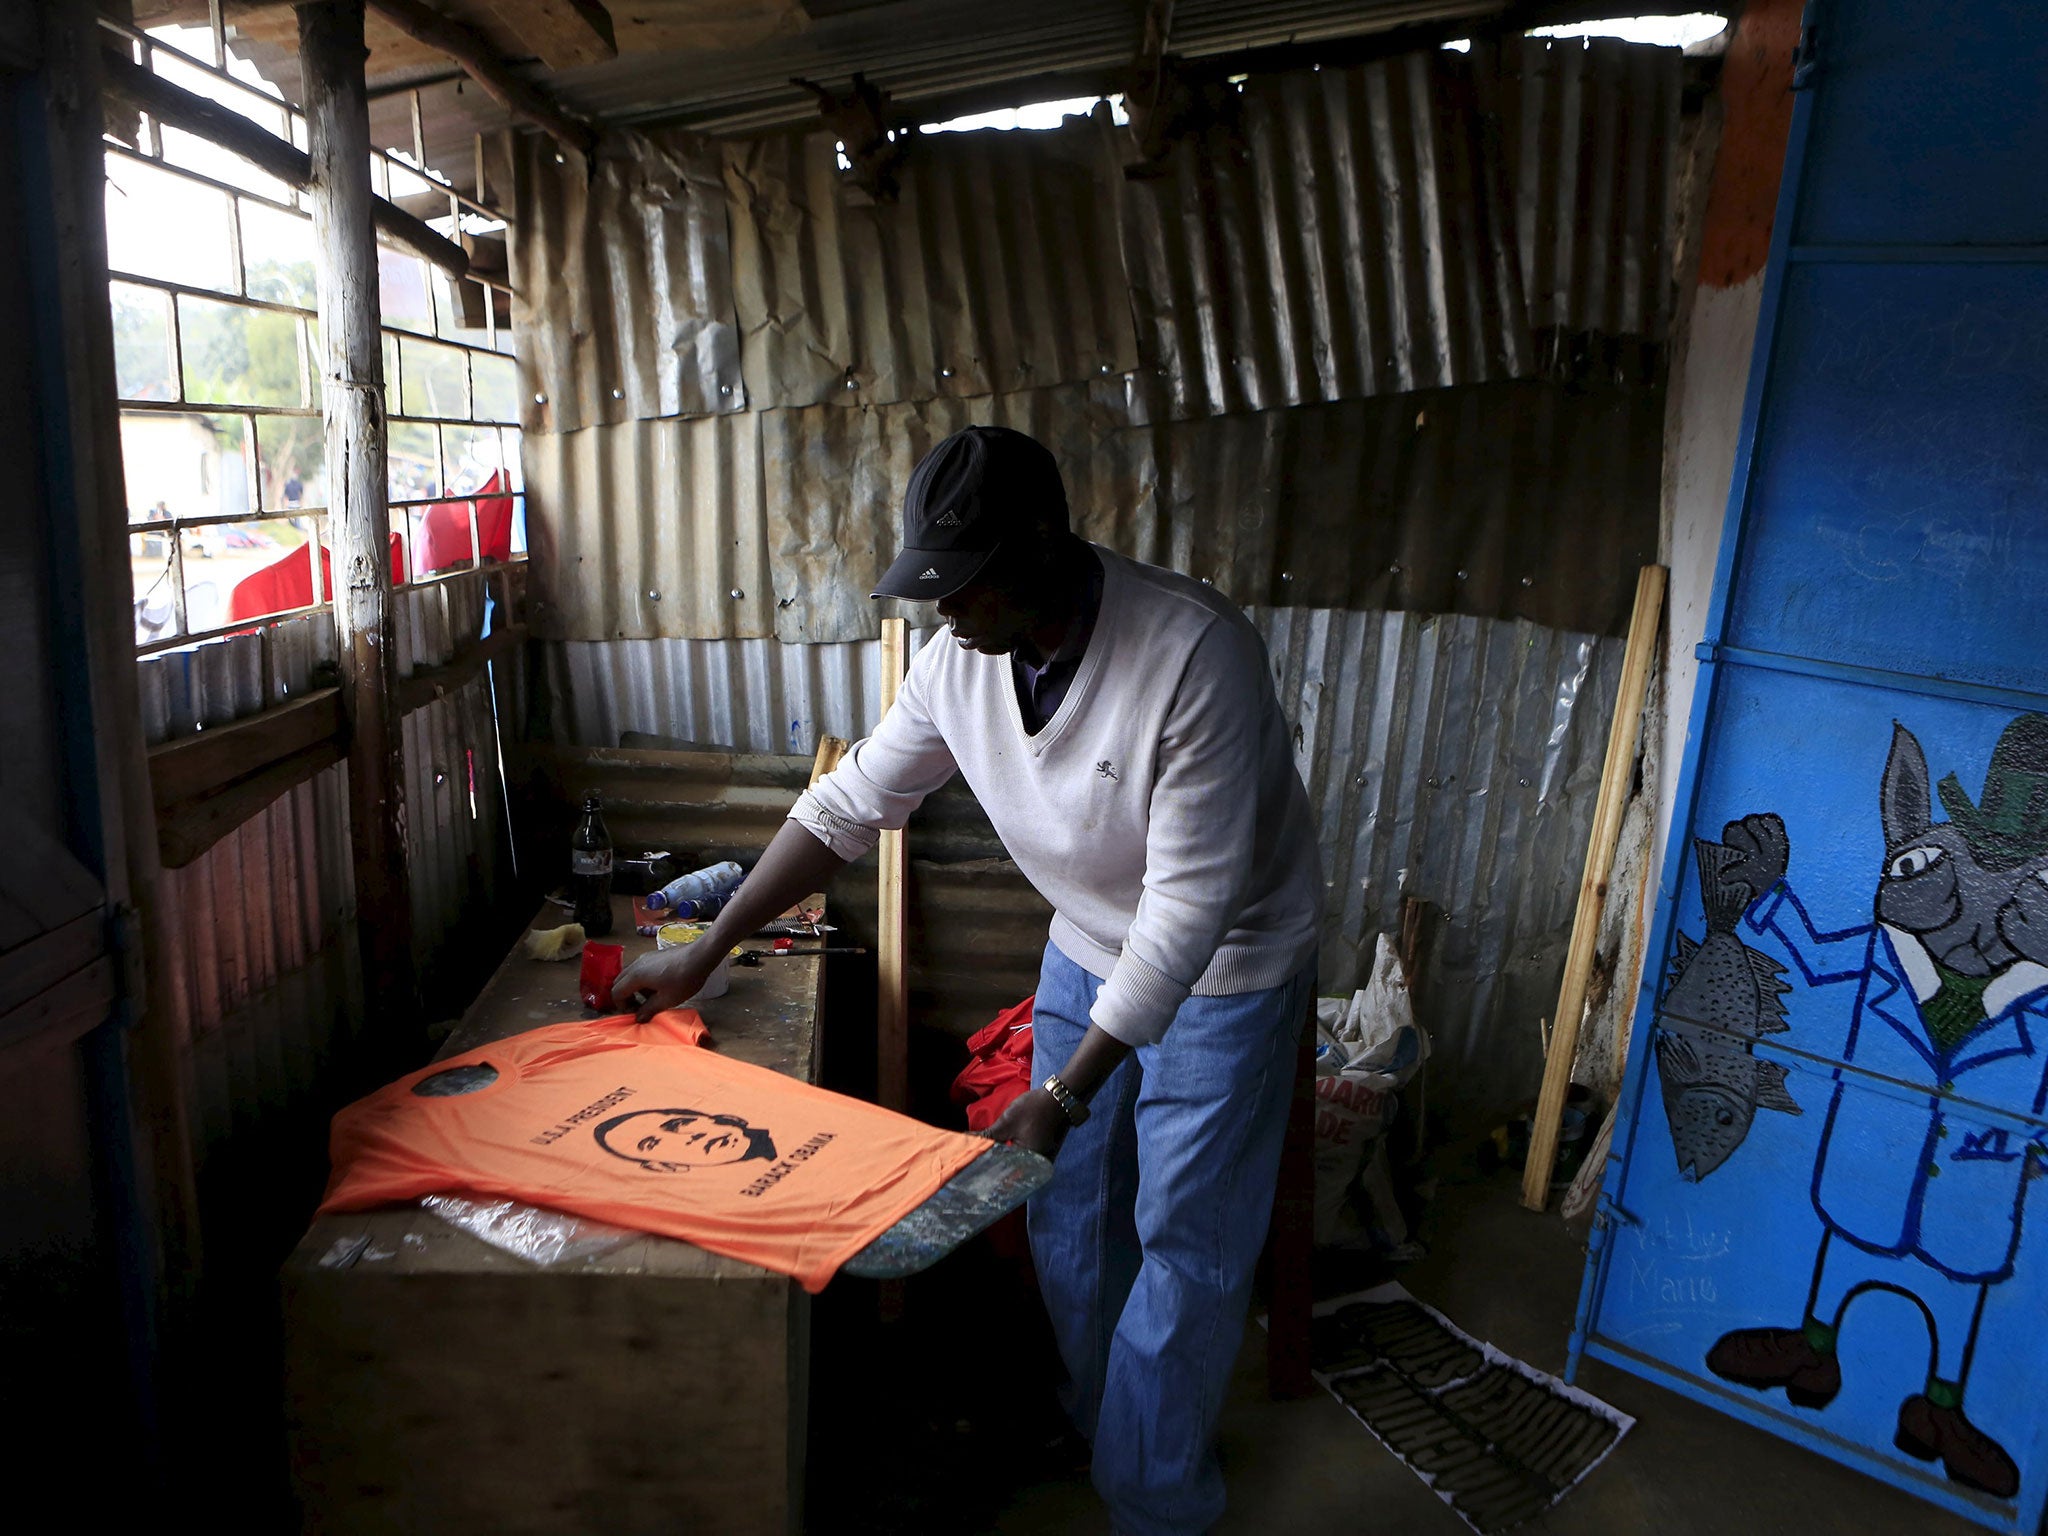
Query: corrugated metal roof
[921,50]
[1454,759]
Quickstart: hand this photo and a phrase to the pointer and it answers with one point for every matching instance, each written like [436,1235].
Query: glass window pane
[390,374]
[441,538]
[415,466]
[472,455]
[149,564]
[179,465]
[514,465]
[237,571]
[277,255]
[254,103]
[143,368]
[236,355]
[435,379]
[518,527]
[146,205]
[291,462]
[402,292]
[198,154]
[497,387]
[209,159]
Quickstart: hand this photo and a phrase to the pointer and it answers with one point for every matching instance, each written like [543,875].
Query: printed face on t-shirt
[677,1140]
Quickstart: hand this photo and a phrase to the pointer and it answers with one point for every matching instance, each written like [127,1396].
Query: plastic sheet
[528,1232]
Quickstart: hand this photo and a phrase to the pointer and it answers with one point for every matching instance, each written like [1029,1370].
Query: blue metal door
[1823,1215]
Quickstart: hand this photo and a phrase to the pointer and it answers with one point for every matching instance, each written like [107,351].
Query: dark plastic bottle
[590,871]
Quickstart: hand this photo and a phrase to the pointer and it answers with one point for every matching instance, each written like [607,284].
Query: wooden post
[1607,813]
[332,54]
[892,973]
[831,749]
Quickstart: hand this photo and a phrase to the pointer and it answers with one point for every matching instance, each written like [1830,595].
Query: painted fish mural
[1722,997]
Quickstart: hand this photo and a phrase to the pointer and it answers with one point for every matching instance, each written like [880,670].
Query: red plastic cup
[601,966]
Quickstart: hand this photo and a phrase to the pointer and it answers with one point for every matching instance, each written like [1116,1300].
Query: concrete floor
[1512,1278]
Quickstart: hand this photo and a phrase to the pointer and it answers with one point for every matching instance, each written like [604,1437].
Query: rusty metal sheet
[1337,233]
[1591,134]
[650,528]
[623,278]
[996,270]
[1514,500]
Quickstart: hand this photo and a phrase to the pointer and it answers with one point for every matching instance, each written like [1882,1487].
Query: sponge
[560,943]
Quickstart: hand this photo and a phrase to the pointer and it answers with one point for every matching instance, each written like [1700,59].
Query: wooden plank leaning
[1615,777]
[892,973]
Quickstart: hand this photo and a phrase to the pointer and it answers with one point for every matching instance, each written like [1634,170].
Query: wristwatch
[1070,1106]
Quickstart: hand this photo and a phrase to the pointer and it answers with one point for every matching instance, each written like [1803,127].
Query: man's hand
[1034,1121]
[668,978]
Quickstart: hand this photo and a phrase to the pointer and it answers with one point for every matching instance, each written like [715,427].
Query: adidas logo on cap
[948,519]
[929,575]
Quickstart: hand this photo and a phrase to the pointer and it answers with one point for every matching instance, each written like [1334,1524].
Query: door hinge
[1806,56]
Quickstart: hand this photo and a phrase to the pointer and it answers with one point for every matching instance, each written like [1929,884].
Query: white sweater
[1158,810]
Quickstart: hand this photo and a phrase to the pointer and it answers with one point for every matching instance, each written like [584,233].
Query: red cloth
[287,582]
[445,530]
[998,1069]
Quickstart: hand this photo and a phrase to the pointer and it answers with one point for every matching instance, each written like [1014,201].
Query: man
[1118,725]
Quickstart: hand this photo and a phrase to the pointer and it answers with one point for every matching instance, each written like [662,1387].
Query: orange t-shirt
[633,1124]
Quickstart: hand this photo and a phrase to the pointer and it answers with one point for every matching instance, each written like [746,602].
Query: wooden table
[436,1384]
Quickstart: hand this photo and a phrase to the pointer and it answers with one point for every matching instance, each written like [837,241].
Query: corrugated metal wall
[1396,295]
[263,981]
[1451,758]
[1376,343]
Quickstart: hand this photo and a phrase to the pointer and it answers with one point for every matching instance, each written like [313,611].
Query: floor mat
[1499,1441]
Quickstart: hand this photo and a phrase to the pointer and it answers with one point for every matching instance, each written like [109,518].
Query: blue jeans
[1146,1238]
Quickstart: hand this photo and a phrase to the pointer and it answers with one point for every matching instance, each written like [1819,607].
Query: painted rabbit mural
[1949,978]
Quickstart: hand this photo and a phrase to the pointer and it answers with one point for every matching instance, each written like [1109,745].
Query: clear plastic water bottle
[698,885]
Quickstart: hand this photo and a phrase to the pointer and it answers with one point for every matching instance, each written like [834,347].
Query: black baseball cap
[979,487]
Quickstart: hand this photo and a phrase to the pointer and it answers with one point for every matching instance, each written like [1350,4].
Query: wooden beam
[469,48]
[424,687]
[193,767]
[187,828]
[567,34]
[172,104]
[207,785]
[892,969]
[331,55]
[1608,810]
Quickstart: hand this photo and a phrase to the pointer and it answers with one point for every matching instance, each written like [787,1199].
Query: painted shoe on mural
[1968,1455]
[1777,1357]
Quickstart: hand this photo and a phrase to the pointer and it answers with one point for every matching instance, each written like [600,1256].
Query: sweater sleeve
[882,779]
[1199,839]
